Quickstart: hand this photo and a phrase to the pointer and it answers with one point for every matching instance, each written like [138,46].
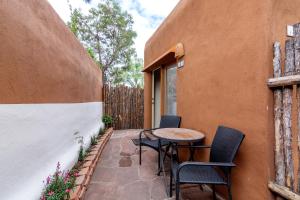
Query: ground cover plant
[59,185]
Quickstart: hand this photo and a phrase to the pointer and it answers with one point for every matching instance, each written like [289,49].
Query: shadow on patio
[118,174]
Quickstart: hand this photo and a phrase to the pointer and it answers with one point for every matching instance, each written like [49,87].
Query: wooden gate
[125,105]
[287,158]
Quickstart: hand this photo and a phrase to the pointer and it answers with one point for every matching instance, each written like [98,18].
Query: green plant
[88,151]
[81,154]
[80,141]
[107,120]
[94,140]
[59,185]
[101,132]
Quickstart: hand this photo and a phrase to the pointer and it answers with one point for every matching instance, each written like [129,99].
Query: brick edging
[88,166]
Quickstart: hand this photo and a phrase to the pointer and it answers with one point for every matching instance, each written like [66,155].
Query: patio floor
[118,174]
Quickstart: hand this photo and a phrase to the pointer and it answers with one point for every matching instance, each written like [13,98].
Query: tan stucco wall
[228,58]
[40,59]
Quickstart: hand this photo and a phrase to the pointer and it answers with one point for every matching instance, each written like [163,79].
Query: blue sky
[147,15]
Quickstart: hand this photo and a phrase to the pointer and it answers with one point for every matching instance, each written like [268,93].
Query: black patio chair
[215,172]
[166,121]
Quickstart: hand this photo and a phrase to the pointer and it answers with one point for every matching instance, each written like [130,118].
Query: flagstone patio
[118,174]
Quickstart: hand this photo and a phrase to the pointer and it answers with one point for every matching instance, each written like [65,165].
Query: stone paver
[118,175]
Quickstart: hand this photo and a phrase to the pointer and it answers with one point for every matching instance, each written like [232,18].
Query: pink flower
[58,166]
[67,176]
[50,193]
[66,179]
[68,190]
[57,173]
[48,180]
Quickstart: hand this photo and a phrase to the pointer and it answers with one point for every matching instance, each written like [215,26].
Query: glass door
[171,103]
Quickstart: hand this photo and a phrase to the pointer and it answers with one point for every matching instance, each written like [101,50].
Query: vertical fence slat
[279,148]
[287,114]
[125,105]
[297,69]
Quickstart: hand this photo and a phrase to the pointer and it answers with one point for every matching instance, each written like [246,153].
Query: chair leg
[177,153]
[177,190]
[140,154]
[229,192]
[214,192]
[159,152]
[192,152]
[158,160]
[171,182]
[201,188]
[167,149]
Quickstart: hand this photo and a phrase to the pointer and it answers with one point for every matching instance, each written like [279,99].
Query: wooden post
[297,68]
[287,113]
[279,150]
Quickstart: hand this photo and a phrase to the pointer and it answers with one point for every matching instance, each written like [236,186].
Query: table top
[179,134]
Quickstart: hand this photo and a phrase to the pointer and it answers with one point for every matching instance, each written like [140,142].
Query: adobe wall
[51,92]
[228,58]
[41,59]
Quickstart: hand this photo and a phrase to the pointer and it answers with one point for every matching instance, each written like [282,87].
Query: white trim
[34,137]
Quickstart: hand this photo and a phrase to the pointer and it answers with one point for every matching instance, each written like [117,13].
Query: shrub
[59,185]
[107,120]
[94,140]
[81,154]
[101,132]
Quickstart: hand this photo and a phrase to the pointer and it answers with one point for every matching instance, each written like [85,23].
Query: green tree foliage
[131,75]
[106,31]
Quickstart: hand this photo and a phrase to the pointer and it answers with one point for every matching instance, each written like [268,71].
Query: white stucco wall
[34,137]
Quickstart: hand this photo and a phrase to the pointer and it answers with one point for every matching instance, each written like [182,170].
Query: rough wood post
[297,68]
[287,111]
[279,150]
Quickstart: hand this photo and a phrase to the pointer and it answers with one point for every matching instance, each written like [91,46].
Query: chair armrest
[193,146]
[146,130]
[217,164]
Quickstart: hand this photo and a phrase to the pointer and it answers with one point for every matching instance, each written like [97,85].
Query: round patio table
[179,134]
[174,136]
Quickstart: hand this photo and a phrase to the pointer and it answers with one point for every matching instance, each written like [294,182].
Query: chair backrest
[225,144]
[169,121]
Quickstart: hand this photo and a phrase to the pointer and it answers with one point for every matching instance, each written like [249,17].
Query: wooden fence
[287,182]
[125,105]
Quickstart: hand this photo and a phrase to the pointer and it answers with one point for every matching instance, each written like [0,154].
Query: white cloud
[147,15]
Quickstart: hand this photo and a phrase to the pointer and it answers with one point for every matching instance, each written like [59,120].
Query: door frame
[153,96]
[163,94]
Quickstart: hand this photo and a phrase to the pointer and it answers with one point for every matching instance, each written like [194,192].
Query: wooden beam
[284,81]
[283,191]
